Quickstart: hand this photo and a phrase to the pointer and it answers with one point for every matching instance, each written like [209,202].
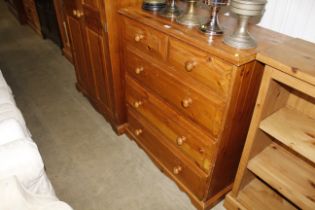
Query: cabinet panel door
[97,53]
[78,47]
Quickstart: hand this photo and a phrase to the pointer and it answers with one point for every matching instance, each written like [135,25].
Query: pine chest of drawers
[189,101]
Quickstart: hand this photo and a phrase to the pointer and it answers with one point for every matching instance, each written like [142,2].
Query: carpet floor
[90,167]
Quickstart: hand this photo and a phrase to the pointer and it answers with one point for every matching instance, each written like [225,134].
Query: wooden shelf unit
[280,146]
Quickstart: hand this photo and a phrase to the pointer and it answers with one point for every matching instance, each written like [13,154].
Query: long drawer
[174,163]
[208,111]
[187,137]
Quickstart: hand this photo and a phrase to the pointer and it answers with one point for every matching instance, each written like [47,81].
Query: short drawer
[201,108]
[167,158]
[183,134]
[146,39]
[211,71]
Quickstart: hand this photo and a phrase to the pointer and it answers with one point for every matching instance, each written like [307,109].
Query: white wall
[295,18]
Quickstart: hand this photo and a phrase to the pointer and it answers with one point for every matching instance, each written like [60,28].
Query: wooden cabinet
[17,9]
[277,166]
[63,28]
[95,44]
[189,102]
[76,29]
[32,15]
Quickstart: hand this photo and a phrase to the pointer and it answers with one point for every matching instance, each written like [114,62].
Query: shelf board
[294,129]
[288,174]
[257,195]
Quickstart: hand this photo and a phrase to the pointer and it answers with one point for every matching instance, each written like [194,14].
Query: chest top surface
[215,46]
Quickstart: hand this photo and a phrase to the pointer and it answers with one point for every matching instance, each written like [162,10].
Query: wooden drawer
[211,71]
[188,138]
[201,108]
[146,39]
[175,164]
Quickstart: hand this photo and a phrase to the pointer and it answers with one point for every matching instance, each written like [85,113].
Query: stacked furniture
[190,100]
[277,169]
[24,184]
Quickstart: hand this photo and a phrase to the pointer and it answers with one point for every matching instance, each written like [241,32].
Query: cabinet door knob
[180,140]
[177,169]
[190,65]
[139,70]
[186,102]
[137,104]
[138,132]
[139,37]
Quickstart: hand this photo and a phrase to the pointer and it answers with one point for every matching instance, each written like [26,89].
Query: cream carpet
[90,167]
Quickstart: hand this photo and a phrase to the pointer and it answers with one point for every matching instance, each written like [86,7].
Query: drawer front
[147,40]
[211,71]
[189,139]
[174,163]
[204,110]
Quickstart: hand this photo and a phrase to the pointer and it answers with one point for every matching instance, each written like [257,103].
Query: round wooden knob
[139,37]
[139,70]
[177,169]
[190,65]
[201,150]
[186,102]
[138,132]
[137,104]
[180,140]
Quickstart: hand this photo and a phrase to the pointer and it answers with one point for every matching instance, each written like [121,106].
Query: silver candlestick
[244,9]
[171,10]
[213,27]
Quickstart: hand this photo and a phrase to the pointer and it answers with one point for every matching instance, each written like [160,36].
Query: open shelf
[294,129]
[257,195]
[291,176]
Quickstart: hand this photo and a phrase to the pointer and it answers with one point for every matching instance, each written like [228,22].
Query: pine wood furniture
[190,100]
[17,9]
[63,28]
[277,169]
[32,15]
[93,30]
